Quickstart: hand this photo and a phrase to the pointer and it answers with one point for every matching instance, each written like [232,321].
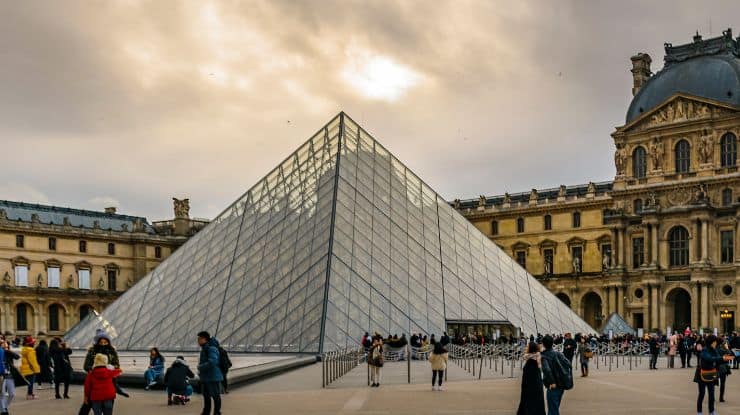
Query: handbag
[708,376]
[588,354]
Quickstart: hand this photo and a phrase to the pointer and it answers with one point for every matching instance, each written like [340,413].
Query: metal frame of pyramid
[339,239]
[618,325]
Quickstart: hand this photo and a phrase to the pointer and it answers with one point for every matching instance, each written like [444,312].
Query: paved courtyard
[621,391]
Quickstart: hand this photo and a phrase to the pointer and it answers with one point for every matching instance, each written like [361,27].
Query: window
[683,156]
[52,244]
[111,248]
[638,252]
[21,317]
[576,219]
[520,225]
[54,317]
[83,246]
[548,222]
[21,275]
[112,279]
[548,254]
[726,197]
[678,246]
[52,277]
[83,276]
[494,232]
[521,258]
[577,258]
[606,256]
[727,246]
[728,144]
[637,205]
[20,241]
[85,310]
[639,163]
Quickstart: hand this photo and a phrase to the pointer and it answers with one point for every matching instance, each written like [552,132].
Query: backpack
[561,370]
[224,363]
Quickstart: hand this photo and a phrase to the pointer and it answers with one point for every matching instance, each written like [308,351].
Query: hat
[100,360]
[29,341]
[101,334]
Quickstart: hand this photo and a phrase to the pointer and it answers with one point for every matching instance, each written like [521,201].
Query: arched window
[21,317]
[637,206]
[683,156]
[494,228]
[639,163]
[548,222]
[54,317]
[576,219]
[520,225]
[678,246]
[728,144]
[85,310]
[726,197]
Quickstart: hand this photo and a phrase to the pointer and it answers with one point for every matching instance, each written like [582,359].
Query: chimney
[110,210]
[640,71]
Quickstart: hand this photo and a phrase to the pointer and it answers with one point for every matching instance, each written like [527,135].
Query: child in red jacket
[99,389]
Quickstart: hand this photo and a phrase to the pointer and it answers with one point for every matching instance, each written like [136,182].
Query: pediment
[679,108]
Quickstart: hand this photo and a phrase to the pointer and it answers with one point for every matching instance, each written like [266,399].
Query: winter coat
[556,369]
[569,348]
[654,346]
[156,365]
[532,401]
[44,360]
[29,364]
[108,350]
[62,365]
[10,369]
[99,384]
[2,362]
[708,359]
[673,345]
[177,376]
[208,369]
[438,361]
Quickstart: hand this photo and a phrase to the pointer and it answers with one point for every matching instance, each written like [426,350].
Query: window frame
[523,258]
[79,278]
[682,156]
[726,197]
[638,252]
[22,276]
[20,241]
[494,232]
[54,317]
[727,246]
[111,248]
[114,273]
[82,245]
[548,255]
[728,150]
[639,162]
[576,219]
[52,243]
[678,256]
[58,277]
[520,225]
[547,219]
[21,318]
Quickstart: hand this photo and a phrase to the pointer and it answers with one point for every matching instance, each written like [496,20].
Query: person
[682,350]
[29,365]
[101,345]
[709,362]
[176,378]
[735,347]
[209,373]
[690,342]
[438,361]
[100,393]
[367,341]
[724,368]
[375,361]
[584,355]
[531,401]
[11,377]
[224,363]
[153,373]
[557,375]
[569,347]
[44,360]
[672,349]
[654,352]
[445,339]
[62,366]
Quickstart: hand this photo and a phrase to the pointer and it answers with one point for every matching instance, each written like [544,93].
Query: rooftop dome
[705,68]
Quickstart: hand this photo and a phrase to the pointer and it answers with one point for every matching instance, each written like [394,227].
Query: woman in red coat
[99,389]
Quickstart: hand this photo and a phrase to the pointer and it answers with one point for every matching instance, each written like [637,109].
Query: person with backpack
[375,361]
[224,363]
[438,360]
[209,373]
[707,372]
[557,375]
[100,392]
[176,378]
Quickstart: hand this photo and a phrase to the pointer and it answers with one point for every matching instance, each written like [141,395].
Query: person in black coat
[62,366]
[531,402]
[569,347]
[176,380]
[709,359]
[654,352]
[44,360]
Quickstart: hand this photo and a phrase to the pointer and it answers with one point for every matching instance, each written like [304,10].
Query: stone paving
[621,391]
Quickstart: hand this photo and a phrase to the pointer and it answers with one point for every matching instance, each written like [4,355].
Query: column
[654,323]
[654,248]
[694,245]
[620,301]
[620,251]
[704,240]
[704,320]
[694,305]
[736,244]
[708,306]
[615,299]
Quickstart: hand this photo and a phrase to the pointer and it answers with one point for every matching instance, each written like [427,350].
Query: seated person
[179,389]
[153,374]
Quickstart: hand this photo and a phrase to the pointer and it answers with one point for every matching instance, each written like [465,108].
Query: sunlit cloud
[379,77]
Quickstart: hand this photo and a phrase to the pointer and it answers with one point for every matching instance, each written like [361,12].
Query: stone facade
[59,264]
[659,244]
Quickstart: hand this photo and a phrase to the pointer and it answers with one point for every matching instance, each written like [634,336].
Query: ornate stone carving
[66,221]
[705,147]
[39,280]
[124,227]
[481,201]
[561,191]
[96,224]
[182,208]
[605,262]
[591,187]
[70,281]
[679,110]
[652,201]
[101,283]
[620,160]
[6,279]
[701,194]
[533,196]
[507,198]
[456,204]
[679,196]
[35,218]
[657,153]
[576,265]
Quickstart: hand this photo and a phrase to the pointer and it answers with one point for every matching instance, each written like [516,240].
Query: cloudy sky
[128,103]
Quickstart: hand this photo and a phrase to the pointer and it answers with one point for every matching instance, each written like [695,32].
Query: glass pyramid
[339,239]
[618,325]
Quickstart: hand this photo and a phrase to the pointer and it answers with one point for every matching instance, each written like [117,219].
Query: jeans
[30,379]
[436,373]
[654,361]
[375,374]
[722,381]
[102,407]
[683,359]
[554,396]
[59,381]
[211,390]
[188,392]
[700,399]
[8,393]
[151,375]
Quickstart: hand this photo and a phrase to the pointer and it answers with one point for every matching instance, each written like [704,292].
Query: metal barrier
[337,363]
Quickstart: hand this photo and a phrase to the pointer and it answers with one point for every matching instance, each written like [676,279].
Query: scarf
[533,356]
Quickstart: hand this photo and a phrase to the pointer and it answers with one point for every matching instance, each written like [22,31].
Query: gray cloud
[135,101]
